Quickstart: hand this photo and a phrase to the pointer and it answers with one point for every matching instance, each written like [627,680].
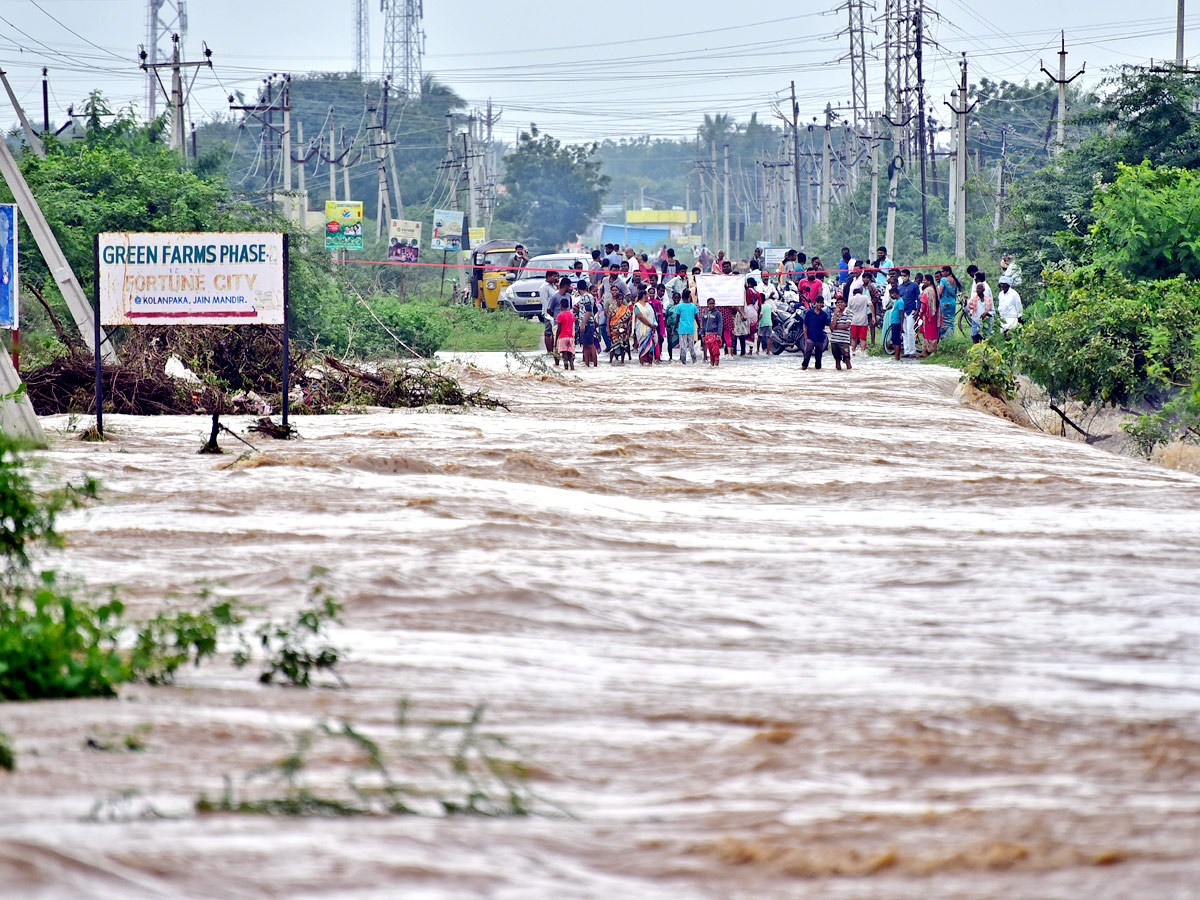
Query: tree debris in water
[230,370]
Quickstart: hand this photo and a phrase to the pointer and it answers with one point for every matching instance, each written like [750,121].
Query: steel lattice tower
[403,43]
[362,39]
[163,18]
[858,64]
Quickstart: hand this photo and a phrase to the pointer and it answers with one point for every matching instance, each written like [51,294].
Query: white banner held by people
[234,278]
[727,290]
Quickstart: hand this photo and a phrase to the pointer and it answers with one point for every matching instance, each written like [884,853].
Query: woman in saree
[620,320]
[645,329]
[931,316]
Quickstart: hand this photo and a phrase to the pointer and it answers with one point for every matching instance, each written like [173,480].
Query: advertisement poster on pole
[447,230]
[727,290]
[10,308]
[478,236]
[343,225]
[191,278]
[774,255]
[404,241]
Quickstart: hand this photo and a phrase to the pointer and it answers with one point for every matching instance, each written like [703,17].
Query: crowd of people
[633,307]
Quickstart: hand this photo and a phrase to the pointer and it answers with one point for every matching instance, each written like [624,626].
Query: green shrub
[422,326]
[1111,341]
[989,368]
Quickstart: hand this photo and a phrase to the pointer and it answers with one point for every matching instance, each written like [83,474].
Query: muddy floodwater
[763,633]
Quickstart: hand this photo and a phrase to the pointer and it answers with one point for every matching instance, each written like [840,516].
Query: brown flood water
[765,633]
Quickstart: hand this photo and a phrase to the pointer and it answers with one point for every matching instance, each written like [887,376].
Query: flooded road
[765,633]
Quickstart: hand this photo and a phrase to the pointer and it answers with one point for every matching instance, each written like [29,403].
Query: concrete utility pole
[960,218]
[16,413]
[874,239]
[716,197]
[725,206]
[1062,81]
[176,96]
[1179,34]
[826,170]
[894,169]
[34,144]
[302,188]
[919,25]
[999,220]
[288,198]
[56,262]
[383,205]
[799,219]
[333,161]
[952,188]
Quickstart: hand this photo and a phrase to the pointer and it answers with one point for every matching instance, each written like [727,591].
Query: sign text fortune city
[191,278]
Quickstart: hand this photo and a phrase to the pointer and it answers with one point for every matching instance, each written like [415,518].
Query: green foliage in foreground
[8,756]
[56,645]
[454,768]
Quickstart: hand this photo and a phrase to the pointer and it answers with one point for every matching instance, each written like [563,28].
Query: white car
[524,295]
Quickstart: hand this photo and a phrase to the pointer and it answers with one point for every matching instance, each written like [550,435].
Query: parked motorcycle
[787,329]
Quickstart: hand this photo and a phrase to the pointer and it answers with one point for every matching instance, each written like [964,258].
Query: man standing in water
[816,320]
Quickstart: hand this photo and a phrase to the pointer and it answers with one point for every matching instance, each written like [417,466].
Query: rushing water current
[764,633]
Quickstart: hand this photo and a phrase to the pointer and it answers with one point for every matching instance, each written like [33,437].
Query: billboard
[343,225]
[191,278]
[773,256]
[404,241]
[10,310]
[447,230]
[477,235]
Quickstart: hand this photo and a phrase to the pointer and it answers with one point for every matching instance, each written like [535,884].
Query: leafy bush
[1111,341]
[292,649]
[422,326]
[1148,222]
[454,768]
[989,368]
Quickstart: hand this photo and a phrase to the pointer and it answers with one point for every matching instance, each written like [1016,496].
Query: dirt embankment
[1101,427]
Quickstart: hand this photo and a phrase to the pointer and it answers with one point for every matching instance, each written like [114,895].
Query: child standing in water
[714,330]
[566,337]
[589,332]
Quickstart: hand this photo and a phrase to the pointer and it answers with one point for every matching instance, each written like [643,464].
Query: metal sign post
[96,336]
[286,328]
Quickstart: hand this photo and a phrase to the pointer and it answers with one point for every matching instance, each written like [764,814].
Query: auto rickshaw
[490,273]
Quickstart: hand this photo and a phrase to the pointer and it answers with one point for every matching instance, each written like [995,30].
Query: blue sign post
[10,310]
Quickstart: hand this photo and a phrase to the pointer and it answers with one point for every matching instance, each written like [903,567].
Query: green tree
[1147,223]
[1144,114]
[554,190]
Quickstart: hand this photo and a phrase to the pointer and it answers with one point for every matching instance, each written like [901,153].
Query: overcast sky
[639,68]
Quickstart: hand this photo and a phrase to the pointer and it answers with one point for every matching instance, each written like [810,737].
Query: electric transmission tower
[858,63]
[403,43]
[362,39]
[164,18]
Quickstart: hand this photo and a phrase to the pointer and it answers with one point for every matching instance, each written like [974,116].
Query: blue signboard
[9,308]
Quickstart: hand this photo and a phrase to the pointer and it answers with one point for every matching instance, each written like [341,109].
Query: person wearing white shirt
[1009,305]
[1011,270]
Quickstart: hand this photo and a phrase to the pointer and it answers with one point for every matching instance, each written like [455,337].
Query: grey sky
[638,68]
